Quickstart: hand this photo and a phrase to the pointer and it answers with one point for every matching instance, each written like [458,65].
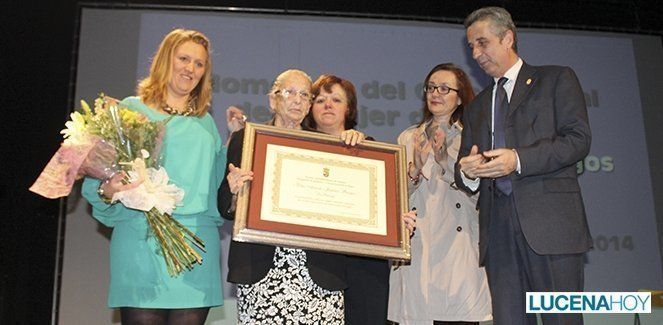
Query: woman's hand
[410,219]
[116,184]
[235,118]
[421,149]
[236,178]
[439,146]
[352,137]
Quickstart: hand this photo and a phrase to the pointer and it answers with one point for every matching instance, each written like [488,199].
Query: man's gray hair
[500,21]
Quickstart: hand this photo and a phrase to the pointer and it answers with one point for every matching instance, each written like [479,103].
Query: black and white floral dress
[288,295]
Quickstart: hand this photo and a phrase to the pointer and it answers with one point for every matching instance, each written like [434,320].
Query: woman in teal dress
[178,87]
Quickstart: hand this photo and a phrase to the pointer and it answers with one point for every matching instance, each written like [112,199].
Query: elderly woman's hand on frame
[236,178]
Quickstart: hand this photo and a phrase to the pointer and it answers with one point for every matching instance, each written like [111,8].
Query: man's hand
[500,162]
[469,163]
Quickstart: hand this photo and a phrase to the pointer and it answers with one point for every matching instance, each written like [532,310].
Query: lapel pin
[529,81]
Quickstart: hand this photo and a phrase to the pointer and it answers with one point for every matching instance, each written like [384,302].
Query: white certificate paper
[325,190]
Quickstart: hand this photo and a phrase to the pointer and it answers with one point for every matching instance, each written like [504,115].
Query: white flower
[144,153]
[153,191]
[75,133]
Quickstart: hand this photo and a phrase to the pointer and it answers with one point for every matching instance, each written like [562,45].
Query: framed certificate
[311,191]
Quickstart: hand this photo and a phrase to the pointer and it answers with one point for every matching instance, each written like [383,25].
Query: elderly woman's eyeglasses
[291,94]
[441,89]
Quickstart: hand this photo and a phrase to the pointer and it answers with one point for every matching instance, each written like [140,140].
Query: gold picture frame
[312,191]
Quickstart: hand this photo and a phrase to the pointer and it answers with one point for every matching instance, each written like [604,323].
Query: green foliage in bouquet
[129,132]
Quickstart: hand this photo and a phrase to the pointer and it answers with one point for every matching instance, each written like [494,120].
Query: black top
[248,263]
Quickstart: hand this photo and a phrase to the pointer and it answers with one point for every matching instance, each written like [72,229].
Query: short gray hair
[500,21]
[278,82]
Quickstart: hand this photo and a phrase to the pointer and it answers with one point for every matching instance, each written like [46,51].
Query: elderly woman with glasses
[279,285]
[444,283]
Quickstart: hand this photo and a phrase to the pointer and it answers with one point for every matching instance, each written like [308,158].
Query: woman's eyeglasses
[291,93]
[441,89]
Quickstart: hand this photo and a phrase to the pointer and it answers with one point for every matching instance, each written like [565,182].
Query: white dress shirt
[511,75]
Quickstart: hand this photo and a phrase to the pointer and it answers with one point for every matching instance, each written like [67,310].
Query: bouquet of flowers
[109,139]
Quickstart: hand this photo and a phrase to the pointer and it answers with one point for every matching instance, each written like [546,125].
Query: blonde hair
[152,90]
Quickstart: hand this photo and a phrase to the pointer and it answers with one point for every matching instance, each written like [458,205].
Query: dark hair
[326,82]
[465,92]
[500,22]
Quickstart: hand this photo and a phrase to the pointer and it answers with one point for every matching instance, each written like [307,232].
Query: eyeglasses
[291,93]
[441,89]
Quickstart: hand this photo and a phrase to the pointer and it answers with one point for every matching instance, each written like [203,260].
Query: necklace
[173,111]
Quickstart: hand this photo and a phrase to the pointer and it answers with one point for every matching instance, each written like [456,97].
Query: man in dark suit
[521,140]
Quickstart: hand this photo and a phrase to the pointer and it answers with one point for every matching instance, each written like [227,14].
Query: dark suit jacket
[248,263]
[547,124]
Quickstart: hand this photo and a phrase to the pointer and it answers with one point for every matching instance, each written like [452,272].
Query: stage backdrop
[387,61]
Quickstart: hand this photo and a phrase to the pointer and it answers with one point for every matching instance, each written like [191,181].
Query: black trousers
[367,295]
[513,269]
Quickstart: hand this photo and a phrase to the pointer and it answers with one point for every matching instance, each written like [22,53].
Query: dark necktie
[501,106]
